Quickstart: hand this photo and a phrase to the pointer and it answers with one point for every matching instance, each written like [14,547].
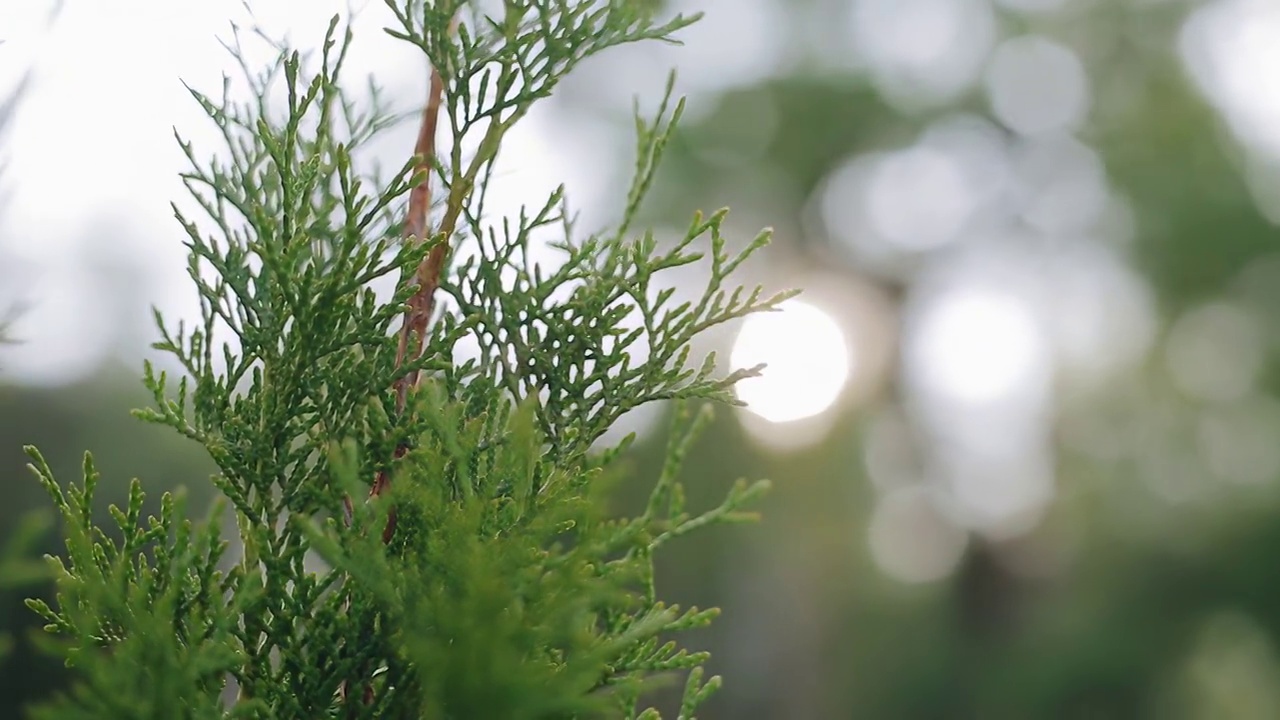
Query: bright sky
[92,156]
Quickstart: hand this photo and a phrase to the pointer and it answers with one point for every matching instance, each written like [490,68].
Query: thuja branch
[488,581]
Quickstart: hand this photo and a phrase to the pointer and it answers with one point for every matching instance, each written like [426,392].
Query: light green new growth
[501,588]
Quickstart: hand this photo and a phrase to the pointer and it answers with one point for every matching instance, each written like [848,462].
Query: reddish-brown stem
[421,305]
[417,315]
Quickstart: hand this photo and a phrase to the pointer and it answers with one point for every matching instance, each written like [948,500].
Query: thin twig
[417,316]
[421,305]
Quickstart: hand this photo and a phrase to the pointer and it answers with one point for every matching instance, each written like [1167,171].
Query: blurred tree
[1109,628]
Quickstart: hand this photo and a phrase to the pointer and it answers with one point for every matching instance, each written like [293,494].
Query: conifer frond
[505,591]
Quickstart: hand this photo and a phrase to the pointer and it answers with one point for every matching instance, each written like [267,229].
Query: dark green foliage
[17,568]
[505,591]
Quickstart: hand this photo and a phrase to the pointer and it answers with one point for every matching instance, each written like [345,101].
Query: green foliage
[17,568]
[489,581]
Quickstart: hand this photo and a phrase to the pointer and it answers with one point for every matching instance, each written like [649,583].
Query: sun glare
[807,357]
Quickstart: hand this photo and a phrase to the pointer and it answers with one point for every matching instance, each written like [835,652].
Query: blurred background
[1023,423]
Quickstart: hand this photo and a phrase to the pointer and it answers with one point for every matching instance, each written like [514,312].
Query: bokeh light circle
[1037,85]
[977,347]
[911,541]
[807,356]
